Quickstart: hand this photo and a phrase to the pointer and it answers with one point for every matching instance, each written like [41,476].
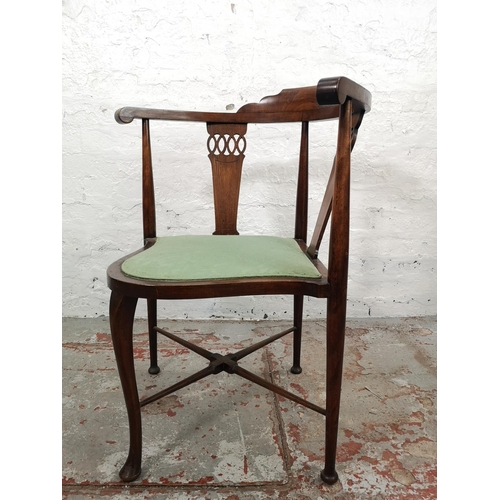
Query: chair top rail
[319,102]
[128,114]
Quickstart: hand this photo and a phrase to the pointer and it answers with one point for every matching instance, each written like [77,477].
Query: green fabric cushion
[181,258]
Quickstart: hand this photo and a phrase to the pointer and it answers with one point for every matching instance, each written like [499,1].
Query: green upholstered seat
[188,258]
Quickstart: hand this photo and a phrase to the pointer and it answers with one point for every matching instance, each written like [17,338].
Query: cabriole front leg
[121,316]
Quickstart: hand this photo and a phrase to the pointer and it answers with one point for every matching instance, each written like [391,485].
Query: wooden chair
[193,267]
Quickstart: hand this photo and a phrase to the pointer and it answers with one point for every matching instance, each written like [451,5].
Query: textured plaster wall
[215,55]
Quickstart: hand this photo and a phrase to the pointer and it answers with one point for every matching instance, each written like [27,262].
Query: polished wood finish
[302,186]
[338,261]
[153,337]
[229,364]
[326,205]
[332,98]
[121,318]
[339,89]
[298,309]
[290,105]
[148,190]
[301,212]
[323,216]
[226,145]
[149,231]
[128,114]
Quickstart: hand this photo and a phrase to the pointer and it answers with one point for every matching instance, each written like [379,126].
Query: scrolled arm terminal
[335,90]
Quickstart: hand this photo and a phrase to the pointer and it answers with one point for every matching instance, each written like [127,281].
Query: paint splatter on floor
[225,438]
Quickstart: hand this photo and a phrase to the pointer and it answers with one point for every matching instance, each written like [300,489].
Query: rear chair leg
[121,318]
[335,334]
[153,336]
[298,307]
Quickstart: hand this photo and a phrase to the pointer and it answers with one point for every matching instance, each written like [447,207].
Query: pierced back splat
[226,146]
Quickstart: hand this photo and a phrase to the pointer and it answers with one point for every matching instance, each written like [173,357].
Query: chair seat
[195,258]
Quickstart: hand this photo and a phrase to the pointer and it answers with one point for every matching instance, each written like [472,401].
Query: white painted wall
[214,54]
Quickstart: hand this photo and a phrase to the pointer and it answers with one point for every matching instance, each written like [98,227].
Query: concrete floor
[225,438]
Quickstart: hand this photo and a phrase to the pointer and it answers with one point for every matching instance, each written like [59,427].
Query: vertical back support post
[300,234]
[149,231]
[148,192]
[338,260]
[302,185]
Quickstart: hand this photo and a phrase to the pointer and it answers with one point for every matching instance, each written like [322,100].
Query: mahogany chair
[226,264]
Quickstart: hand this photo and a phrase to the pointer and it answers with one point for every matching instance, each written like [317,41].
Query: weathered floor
[225,438]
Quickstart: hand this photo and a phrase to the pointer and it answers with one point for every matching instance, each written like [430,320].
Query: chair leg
[121,317]
[298,307]
[335,334]
[153,337]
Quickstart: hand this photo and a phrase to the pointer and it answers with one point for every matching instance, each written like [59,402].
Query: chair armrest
[335,90]
[289,105]
[128,114]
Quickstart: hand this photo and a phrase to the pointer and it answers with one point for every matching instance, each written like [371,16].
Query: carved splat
[226,146]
